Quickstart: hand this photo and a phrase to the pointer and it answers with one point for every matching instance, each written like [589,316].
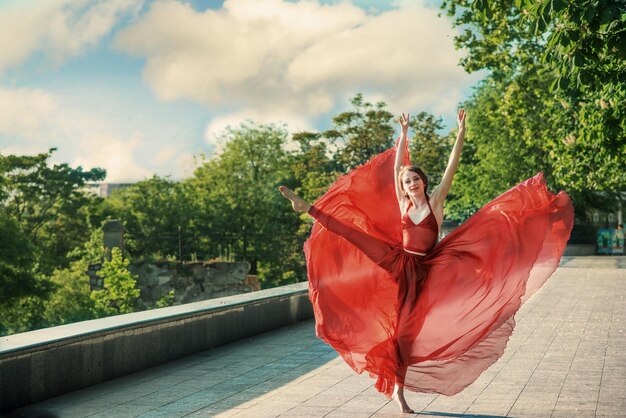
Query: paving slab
[566,358]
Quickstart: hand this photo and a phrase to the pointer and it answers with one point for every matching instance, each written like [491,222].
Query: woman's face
[412,184]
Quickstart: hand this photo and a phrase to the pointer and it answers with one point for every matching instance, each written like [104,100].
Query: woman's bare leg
[299,204]
[398,396]
[374,248]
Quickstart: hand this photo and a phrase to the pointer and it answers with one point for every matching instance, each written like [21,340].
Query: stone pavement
[566,358]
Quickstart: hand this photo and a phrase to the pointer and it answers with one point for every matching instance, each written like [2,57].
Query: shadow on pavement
[449,414]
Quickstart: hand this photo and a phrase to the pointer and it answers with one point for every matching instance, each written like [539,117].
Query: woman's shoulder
[436,199]
[404,204]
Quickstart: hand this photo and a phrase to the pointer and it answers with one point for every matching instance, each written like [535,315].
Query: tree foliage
[312,167]
[584,42]
[240,207]
[429,149]
[506,143]
[17,261]
[355,136]
[45,214]
[22,288]
[70,300]
[360,133]
[119,292]
[48,203]
[553,93]
[158,217]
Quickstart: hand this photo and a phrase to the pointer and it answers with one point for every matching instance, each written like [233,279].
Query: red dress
[432,322]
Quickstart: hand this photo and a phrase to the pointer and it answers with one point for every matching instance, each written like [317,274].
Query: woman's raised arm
[440,193]
[404,124]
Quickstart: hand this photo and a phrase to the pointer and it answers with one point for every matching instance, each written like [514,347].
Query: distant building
[610,216]
[104,189]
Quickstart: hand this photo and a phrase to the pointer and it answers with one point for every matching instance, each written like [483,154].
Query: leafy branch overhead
[584,42]
[557,82]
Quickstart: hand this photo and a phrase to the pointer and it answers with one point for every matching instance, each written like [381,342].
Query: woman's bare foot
[299,204]
[398,396]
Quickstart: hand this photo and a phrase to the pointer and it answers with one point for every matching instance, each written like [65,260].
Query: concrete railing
[41,364]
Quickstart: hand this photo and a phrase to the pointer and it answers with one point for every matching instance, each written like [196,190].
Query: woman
[410,311]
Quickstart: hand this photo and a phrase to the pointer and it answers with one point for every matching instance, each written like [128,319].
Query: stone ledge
[41,364]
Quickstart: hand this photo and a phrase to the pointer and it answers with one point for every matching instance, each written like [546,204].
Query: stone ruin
[190,281]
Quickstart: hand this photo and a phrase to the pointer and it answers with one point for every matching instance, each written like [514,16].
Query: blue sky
[140,87]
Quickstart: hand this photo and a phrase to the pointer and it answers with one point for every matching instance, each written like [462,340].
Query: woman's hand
[461,119]
[404,123]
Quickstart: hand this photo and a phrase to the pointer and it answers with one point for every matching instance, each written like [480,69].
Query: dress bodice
[420,237]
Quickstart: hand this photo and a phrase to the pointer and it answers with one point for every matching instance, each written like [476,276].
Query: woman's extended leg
[372,247]
[299,204]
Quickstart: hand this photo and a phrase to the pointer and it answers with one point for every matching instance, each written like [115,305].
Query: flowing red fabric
[431,323]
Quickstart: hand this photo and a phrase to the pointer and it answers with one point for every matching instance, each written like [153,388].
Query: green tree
[119,293]
[557,78]
[17,262]
[312,168]
[46,200]
[44,215]
[506,143]
[75,221]
[21,287]
[428,148]
[585,43]
[166,299]
[357,136]
[158,215]
[360,133]
[24,314]
[92,251]
[70,301]
[237,190]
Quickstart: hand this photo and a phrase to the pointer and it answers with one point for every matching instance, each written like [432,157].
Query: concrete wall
[41,364]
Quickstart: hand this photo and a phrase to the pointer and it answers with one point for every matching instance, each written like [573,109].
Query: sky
[140,87]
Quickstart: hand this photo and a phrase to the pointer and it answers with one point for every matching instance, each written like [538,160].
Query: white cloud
[25,112]
[34,121]
[185,164]
[270,61]
[116,155]
[165,154]
[218,125]
[21,149]
[58,28]
[277,56]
